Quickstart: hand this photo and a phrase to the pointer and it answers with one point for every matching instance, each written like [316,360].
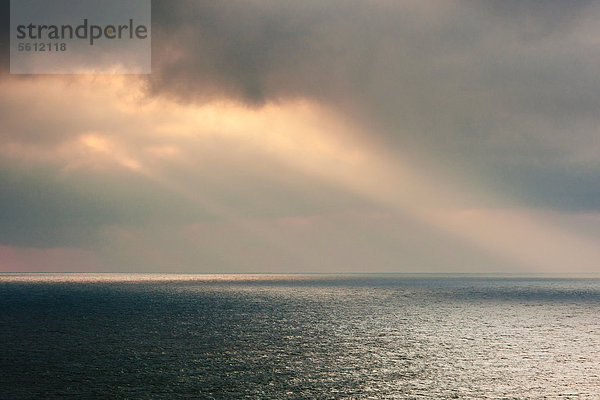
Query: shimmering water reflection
[298,337]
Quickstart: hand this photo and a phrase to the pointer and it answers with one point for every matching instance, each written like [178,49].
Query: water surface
[298,336]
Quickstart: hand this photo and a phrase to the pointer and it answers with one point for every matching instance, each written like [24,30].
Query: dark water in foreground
[298,337]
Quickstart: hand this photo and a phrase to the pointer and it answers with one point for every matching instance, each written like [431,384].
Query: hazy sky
[315,136]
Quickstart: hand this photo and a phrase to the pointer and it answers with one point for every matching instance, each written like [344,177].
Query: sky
[315,136]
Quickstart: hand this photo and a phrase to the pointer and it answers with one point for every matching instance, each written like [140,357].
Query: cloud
[311,136]
[495,90]
[110,157]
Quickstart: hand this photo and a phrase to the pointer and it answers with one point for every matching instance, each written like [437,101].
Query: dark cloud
[479,86]
[572,189]
[266,50]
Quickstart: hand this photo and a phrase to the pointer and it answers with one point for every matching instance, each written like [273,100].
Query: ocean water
[298,337]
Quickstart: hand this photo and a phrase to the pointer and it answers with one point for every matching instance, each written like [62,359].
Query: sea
[389,336]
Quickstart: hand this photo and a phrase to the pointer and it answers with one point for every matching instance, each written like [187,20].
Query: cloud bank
[319,136]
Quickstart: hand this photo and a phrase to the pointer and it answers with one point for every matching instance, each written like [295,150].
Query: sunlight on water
[140,277]
[298,336]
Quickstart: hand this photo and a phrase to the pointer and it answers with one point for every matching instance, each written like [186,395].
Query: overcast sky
[315,136]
